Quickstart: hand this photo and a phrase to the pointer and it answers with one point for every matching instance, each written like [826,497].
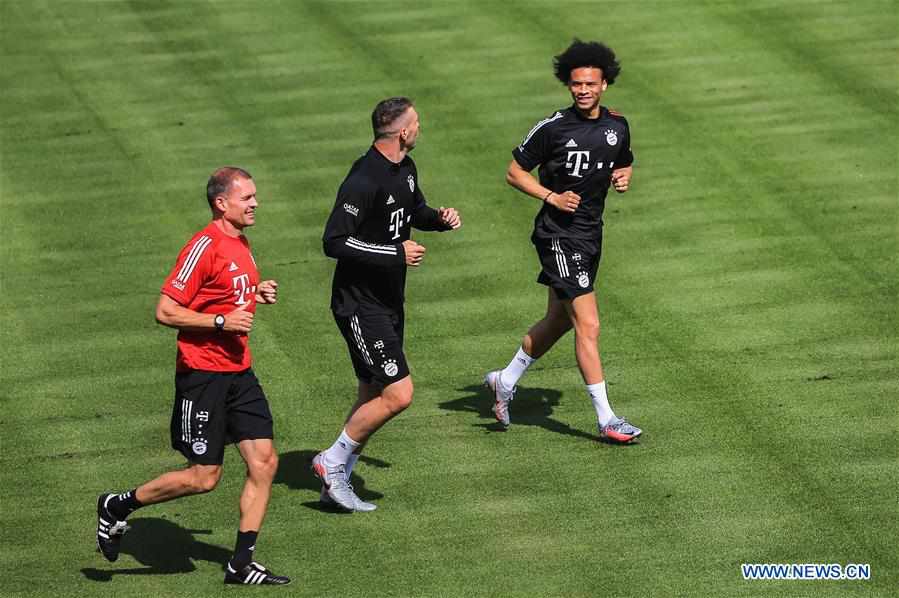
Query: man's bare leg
[539,339]
[584,316]
[262,464]
[113,509]
[365,393]
[374,407]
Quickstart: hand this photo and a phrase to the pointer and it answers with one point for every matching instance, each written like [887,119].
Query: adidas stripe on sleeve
[535,148]
[342,239]
[190,271]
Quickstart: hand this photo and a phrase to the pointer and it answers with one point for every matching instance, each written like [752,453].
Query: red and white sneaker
[620,431]
[501,397]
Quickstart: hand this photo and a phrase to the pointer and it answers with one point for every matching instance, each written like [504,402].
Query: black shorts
[569,265]
[375,342]
[213,409]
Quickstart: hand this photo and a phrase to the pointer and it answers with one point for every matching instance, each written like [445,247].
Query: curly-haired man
[581,151]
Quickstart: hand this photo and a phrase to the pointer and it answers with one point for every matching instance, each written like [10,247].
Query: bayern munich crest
[583,280]
[390,367]
[411,181]
[611,137]
[199,447]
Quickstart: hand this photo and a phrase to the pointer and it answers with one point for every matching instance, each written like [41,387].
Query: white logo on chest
[396,223]
[411,181]
[242,288]
[611,137]
[578,161]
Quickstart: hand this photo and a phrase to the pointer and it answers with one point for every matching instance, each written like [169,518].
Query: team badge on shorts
[611,137]
[583,280]
[390,368]
[411,180]
[199,447]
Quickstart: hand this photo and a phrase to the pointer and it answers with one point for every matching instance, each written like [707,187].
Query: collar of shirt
[387,164]
[602,113]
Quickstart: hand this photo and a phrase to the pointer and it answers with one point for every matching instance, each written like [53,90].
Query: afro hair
[580,54]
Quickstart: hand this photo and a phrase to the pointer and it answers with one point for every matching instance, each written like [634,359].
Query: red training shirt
[214,274]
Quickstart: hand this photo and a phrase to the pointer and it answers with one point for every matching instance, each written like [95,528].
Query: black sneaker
[109,530]
[255,574]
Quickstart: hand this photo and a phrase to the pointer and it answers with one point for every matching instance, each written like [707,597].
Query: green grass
[748,295]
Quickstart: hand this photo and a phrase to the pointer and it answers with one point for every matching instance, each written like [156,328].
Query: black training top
[577,154]
[377,204]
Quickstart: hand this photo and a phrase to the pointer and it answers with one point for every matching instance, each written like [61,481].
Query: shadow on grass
[163,548]
[531,407]
[295,472]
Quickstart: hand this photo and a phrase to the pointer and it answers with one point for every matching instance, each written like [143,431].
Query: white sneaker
[337,488]
[501,397]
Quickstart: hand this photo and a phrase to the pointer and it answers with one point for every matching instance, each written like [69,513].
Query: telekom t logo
[242,288]
[579,162]
[396,222]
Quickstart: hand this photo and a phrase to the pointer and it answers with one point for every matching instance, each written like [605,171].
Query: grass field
[748,295]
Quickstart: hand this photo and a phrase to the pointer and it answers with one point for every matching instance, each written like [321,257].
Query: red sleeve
[192,269]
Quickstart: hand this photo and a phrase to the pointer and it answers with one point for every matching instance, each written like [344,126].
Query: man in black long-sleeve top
[368,233]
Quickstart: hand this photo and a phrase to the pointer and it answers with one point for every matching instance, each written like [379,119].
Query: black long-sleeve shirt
[377,204]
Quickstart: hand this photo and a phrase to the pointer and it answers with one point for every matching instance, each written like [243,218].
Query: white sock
[600,400]
[509,377]
[350,463]
[340,451]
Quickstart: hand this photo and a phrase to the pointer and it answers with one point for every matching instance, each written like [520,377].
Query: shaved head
[386,117]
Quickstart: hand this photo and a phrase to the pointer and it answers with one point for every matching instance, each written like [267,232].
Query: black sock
[122,505]
[243,549]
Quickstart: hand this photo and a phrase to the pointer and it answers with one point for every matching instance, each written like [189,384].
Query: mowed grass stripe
[519,513]
[45,479]
[722,144]
[828,41]
[388,435]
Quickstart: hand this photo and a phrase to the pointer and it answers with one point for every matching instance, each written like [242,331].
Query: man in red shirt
[210,296]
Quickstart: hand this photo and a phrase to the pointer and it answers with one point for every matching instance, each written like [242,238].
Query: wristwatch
[219,322]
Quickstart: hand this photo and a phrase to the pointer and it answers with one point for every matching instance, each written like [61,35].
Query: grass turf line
[748,294]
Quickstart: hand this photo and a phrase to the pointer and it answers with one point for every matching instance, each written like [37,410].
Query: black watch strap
[219,322]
